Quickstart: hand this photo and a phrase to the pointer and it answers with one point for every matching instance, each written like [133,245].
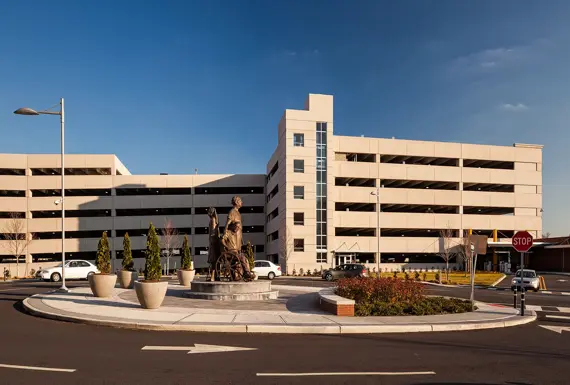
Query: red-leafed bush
[384,290]
[395,297]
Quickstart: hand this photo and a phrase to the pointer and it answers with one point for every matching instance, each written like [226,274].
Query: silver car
[530,280]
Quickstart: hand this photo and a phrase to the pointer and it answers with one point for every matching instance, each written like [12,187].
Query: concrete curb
[285,329]
[498,281]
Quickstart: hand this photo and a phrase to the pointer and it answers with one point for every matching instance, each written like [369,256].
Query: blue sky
[163,84]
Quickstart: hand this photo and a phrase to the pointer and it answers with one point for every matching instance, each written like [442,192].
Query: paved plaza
[296,311]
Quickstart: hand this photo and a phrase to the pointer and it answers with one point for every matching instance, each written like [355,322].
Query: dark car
[345,271]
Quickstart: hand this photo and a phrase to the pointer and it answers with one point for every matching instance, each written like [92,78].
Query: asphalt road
[528,354]
[501,297]
[554,282]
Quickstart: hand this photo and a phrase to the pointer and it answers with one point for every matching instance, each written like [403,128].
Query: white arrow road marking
[557,316]
[557,329]
[345,374]
[199,348]
[37,368]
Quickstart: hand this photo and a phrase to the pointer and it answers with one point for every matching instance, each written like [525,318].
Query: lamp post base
[63,289]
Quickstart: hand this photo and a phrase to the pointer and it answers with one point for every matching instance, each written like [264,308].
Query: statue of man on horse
[225,254]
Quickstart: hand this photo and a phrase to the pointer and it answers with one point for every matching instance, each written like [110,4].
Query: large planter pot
[102,285]
[150,294]
[185,277]
[127,279]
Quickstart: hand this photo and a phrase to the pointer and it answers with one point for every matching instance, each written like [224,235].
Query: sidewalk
[294,312]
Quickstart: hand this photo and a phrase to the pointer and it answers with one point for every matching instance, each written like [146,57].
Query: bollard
[515,297]
[522,301]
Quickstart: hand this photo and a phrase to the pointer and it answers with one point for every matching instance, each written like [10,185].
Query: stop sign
[522,241]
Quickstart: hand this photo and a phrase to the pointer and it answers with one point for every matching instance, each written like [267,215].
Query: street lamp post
[377,193]
[29,111]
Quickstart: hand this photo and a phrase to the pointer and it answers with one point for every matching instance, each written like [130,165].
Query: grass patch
[455,278]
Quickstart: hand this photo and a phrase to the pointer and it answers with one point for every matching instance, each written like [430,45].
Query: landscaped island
[391,297]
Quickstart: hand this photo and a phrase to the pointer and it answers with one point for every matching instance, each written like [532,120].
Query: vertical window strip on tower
[321,192]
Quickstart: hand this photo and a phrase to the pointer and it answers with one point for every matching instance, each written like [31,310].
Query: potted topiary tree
[103,282]
[128,274]
[151,291]
[250,256]
[186,272]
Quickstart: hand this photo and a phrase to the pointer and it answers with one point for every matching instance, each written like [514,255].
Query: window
[321,158]
[83,264]
[299,192]
[298,165]
[321,257]
[299,219]
[298,245]
[299,140]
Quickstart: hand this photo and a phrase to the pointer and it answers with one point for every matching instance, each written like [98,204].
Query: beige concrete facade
[424,187]
[317,186]
[108,204]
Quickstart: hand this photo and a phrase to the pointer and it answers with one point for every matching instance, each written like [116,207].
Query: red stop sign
[522,241]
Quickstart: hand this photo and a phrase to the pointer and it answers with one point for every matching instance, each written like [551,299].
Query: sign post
[522,242]
[477,245]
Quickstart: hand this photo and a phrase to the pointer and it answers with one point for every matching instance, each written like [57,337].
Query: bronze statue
[213,242]
[225,254]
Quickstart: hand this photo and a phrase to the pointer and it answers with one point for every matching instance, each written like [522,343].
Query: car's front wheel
[329,277]
[56,277]
[271,275]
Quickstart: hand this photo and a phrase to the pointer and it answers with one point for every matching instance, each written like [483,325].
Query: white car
[530,280]
[266,269]
[74,269]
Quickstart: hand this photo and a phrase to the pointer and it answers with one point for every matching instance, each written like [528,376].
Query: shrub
[437,276]
[186,261]
[395,275]
[315,272]
[425,306]
[32,273]
[103,260]
[407,276]
[7,274]
[152,268]
[383,290]
[250,255]
[424,277]
[301,272]
[417,275]
[127,254]
[308,272]
[294,272]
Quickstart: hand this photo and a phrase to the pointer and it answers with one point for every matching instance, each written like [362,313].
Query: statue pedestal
[232,291]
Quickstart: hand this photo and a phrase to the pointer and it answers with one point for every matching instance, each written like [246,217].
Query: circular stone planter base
[232,291]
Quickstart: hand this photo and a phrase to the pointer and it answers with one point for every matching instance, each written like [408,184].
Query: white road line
[557,316]
[564,309]
[545,292]
[345,374]
[533,307]
[565,293]
[185,348]
[36,368]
